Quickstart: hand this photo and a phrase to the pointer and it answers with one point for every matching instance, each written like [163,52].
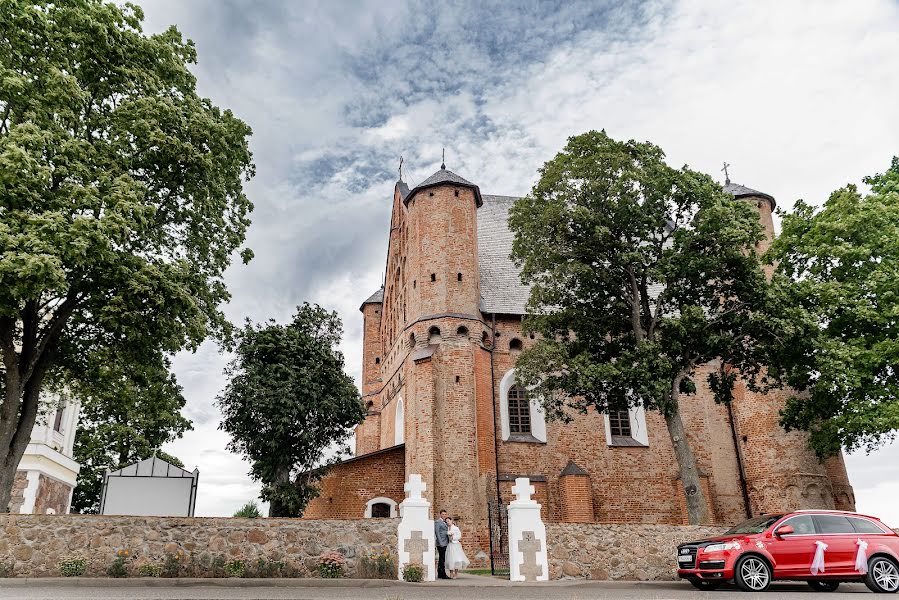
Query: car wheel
[824,585]
[882,576]
[705,585]
[752,574]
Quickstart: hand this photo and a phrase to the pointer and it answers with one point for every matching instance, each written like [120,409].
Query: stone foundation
[34,544]
[602,551]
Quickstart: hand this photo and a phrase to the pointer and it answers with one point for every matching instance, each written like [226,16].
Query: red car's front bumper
[711,566]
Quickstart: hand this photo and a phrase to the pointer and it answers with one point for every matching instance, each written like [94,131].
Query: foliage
[119,566]
[128,410]
[640,273]
[250,510]
[331,565]
[149,570]
[838,268]
[235,568]
[172,565]
[122,198]
[7,569]
[269,568]
[72,566]
[413,573]
[288,401]
[377,566]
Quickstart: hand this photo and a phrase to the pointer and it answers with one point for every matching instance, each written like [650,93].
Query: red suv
[823,547]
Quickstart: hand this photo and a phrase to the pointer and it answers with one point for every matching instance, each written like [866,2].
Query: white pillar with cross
[415,534]
[528,560]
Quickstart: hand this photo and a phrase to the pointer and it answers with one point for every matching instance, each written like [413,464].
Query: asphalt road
[472,588]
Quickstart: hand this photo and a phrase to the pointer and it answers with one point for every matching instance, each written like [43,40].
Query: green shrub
[413,573]
[248,511]
[149,570]
[117,568]
[6,569]
[235,568]
[331,565]
[377,566]
[268,568]
[72,566]
[171,566]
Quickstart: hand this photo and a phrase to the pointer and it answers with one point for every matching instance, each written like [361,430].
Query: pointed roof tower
[445,177]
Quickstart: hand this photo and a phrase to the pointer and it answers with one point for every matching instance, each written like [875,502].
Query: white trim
[380,500]
[399,422]
[538,420]
[30,495]
[43,458]
[639,432]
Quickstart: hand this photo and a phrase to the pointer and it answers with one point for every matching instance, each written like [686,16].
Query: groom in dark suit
[442,538]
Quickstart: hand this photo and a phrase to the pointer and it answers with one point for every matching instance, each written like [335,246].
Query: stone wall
[18,491]
[602,551]
[34,544]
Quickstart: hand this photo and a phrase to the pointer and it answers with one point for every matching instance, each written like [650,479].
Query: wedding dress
[455,556]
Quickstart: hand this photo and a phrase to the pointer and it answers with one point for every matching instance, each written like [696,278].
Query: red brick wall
[371,348]
[351,484]
[576,498]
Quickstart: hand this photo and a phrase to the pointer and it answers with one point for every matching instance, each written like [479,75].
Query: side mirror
[785,530]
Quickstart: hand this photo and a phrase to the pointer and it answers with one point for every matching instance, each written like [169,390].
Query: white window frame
[399,423]
[637,415]
[380,500]
[538,420]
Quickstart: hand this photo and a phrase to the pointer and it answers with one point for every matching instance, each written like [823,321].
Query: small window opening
[412,339]
[413,283]
[458,276]
[462,331]
[457,193]
[380,510]
[515,344]
[457,379]
[532,336]
[430,193]
[485,339]
[57,423]
[433,276]
[377,360]
[434,335]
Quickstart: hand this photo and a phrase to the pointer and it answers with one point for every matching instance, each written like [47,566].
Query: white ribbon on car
[861,558]
[818,562]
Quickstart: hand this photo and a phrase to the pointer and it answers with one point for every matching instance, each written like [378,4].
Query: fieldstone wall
[33,544]
[604,551]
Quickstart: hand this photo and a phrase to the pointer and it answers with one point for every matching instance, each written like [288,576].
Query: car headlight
[722,547]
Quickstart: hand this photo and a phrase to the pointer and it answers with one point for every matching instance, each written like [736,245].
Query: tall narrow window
[519,411]
[57,423]
[620,423]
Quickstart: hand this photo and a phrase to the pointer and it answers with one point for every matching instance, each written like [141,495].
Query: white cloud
[799,100]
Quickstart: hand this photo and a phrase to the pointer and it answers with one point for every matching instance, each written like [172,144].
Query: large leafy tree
[288,403]
[640,274]
[129,409]
[841,262]
[121,197]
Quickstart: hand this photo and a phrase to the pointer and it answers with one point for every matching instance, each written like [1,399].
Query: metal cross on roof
[443,159]
[726,176]
[401,168]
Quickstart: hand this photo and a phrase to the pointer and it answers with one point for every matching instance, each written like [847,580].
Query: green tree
[287,403]
[841,263]
[640,273]
[121,197]
[129,409]
[250,510]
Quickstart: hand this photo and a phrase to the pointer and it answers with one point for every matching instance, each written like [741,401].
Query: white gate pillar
[527,536]
[415,534]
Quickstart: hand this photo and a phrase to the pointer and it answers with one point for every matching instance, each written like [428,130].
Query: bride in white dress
[455,556]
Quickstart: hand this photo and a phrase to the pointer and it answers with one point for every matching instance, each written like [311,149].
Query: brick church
[440,343]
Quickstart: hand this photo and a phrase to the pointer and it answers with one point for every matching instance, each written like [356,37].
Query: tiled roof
[444,176]
[501,287]
[741,191]
[376,298]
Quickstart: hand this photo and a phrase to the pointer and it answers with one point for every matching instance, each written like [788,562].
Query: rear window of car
[864,525]
[833,524]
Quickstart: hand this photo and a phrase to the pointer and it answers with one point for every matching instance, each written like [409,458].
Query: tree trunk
[275,508]
[15,432]
[697,508]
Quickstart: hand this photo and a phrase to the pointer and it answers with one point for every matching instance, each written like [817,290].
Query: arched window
[380,508]
[434,335]
[515,344]
[462,331]
[412,340]
[521,418]
[399,423]
[519,410]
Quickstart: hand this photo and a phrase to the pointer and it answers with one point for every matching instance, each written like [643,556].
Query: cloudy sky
[799,97]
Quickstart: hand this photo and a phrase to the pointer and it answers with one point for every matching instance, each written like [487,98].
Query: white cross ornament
[523,489]
[414,487]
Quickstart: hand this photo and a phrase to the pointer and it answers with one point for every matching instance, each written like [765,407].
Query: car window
[864,525]
[756,525]
[802,525]
[833,524]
